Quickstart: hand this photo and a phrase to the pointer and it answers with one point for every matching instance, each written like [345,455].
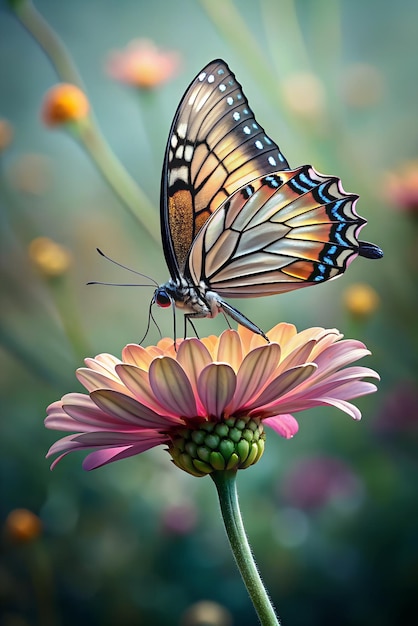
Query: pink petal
[72,443]
[76,411]
[93,380]
[216,388]
[172,387]
[104,363]
[298,356]
[285,425]
[103,457]
[282,385]
[255,371]
[339,355]
[347,407]
[126,409]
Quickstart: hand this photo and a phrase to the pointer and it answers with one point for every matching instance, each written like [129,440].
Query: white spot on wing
[174,141]
[179,152]
[202,76]
[247,130]
[272,161]
[188,153]
[230,100]
[222,87]
[236,116]
[258,144]
[182,130]
[181,173]
[203,101]
[211,78]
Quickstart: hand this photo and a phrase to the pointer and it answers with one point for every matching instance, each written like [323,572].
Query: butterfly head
[162,297]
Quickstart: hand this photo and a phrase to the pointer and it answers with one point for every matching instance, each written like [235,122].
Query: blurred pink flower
[179,519]
[399,411]
[401,187]
[314,481]
[208,400]
[142,64]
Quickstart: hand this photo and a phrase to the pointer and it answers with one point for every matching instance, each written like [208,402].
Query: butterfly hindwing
[215,147]
[278,233]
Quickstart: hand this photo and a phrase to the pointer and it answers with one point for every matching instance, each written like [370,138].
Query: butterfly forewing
[278,233]
[215,146]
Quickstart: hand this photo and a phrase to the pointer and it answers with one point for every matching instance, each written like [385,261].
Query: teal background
[339,548]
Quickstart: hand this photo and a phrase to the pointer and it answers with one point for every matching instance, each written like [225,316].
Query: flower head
[142,64]
[23,526]
[361,300]
[50,258]
[64,103]
[402,187]
[6,134]
[209,399]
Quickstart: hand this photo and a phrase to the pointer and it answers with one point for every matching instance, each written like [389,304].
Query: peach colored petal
[216,387]
[171,387]
[282,334]
[230,349]
[133,354]
[193,356]
[128,410]
[285,425]
[255,372]
[211,344]
[165,347]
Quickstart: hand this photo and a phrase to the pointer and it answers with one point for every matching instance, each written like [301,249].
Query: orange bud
[22,526]
[49,258]
[361,300]
[64,103]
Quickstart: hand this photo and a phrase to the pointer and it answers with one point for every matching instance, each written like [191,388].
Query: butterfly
[236,220]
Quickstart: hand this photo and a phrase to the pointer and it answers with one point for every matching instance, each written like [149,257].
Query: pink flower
[142,64]
[207,401]
[401,187]
[314,481]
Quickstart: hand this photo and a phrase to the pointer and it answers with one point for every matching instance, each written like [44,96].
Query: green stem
[122,184]
[228,498]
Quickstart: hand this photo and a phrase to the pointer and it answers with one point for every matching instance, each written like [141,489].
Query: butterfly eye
[162,298]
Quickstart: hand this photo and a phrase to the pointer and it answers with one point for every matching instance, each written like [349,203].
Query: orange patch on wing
[300,269]
[180,210]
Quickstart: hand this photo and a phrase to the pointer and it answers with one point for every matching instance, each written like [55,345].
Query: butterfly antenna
[96,282]
[125,267]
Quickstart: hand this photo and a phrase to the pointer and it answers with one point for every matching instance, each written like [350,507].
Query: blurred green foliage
[331,514]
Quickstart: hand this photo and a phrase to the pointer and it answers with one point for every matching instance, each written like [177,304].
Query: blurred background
[331,514]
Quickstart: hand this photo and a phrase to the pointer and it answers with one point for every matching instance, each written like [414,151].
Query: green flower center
[235,443]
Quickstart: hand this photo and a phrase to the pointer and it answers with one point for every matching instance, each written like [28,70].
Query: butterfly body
[236,221]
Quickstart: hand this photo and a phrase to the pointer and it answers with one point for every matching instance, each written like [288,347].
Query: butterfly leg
[241,319]
[187,318]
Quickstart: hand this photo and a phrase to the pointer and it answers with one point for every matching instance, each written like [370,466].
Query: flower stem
[228,499]
[117,177]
